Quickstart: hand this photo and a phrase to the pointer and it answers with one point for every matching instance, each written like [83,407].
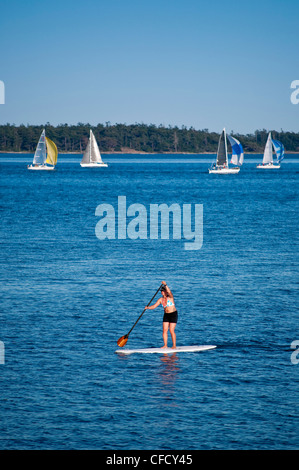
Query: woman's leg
[173,335]
[165,333]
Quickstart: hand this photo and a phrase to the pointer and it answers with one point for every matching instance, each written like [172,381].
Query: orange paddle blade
[122,341]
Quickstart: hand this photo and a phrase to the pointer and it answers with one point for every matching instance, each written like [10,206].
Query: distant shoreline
[134,152]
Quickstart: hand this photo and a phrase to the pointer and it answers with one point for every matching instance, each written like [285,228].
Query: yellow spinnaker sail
[51,152]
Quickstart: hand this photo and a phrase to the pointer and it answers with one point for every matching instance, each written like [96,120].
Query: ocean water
[66,298]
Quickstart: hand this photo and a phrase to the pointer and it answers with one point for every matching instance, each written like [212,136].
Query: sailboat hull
[41,167]
[93,165]
[268,166]
[224,171]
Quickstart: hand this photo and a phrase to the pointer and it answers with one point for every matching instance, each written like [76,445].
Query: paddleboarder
[170,317]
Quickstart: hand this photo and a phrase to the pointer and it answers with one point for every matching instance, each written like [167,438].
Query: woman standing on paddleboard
[170,317]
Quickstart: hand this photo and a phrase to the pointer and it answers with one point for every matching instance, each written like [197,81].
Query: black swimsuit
[171,317]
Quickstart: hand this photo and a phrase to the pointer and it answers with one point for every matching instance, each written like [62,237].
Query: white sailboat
[45,157]
[267,163]
[221,165]
[92,157]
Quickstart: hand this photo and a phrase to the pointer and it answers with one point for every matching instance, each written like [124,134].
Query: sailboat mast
[46,149]
[225,143]
[218,150]
[90,146]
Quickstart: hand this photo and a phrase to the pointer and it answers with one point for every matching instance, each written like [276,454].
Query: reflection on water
[168,371]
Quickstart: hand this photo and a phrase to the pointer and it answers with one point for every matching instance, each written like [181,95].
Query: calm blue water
[67,297]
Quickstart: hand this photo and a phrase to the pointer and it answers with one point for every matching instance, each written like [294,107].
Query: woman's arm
[154,305]
[167,288]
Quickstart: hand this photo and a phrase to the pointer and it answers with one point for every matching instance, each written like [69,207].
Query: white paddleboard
[167,350]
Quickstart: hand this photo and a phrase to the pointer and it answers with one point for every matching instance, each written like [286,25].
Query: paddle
[123,340]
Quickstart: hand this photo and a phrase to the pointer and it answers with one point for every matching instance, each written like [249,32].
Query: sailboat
[92,157]
[267,163]
[221,165]
[45,157]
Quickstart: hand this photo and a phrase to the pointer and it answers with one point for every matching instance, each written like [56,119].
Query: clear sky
[201,63]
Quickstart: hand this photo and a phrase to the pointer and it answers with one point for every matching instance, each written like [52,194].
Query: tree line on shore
[147,138]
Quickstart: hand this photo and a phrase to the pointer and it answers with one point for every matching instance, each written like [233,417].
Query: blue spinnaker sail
[279,150]
[238,153]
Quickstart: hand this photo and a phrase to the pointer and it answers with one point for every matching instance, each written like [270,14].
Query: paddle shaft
[143,312]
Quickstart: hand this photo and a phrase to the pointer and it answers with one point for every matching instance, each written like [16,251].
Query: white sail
[86,155]
[92,153]
[268,152]
[41,150]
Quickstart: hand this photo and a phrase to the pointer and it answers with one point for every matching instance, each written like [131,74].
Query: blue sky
[206,64]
